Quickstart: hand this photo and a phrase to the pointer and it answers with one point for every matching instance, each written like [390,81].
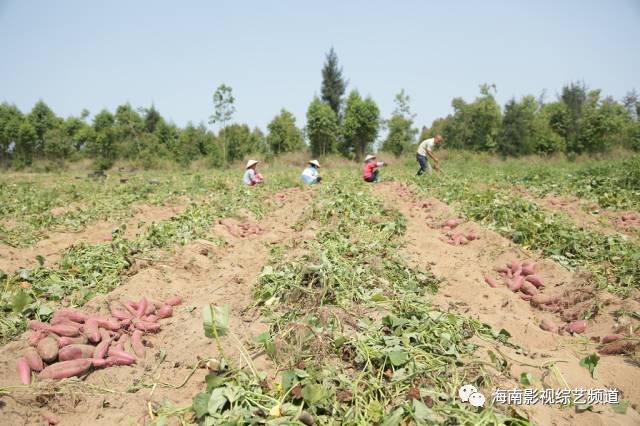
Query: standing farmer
[310,175]
[426,149]
[370,169]
[251,176]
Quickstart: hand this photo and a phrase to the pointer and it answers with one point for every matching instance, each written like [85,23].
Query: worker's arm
[433,157]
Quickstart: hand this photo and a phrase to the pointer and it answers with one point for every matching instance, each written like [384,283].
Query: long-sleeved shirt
[309,175]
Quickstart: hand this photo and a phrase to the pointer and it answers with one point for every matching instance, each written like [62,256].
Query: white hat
[315,163]
[251,163]
[369,157]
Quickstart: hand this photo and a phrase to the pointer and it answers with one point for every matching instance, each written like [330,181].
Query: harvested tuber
[66,369]
[24,371]
[48,349]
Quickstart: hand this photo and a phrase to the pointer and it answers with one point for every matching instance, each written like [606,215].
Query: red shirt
[368,169]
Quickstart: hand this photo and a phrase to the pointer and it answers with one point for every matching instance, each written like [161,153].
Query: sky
[83,54]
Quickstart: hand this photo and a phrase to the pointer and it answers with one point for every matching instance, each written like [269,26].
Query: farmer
[370,169]
[310,175]
[251,177]
[426,149]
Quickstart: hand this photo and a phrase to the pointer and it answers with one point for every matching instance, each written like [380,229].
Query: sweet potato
[100,362]
[50,418]
[543,299]
[24,370]
[612,338]
[167,310]
[64,341]
[528,288]
[173,301]
[490,281]
[119,345]
[151,308]
[91,330]
[76,351]
[48,349]
[119,314]
[108,323]
[136,343]
[66,330]
[146,326]
[142,307]
[620,346]
[471,236]
[515,283]
[515,265]
[64,320]
[38,325]
[33,359]
[117,353]
[130,306]
[577,326]
[118,360]
[548,325]
[526,297]
[33,337]
[452,223]
[528,268]
[102,348]
[150,318]
[73,315]
[65,369]
[533,279]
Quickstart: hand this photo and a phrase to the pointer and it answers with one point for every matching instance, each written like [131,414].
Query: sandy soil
[463,290]
[53,247]
[201,273]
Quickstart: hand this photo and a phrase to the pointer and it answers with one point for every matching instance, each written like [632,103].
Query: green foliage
[223,110]
[333,84]
[322,128]
[401,134]
[242,141]
[360,125]
[283,135]
[42,119]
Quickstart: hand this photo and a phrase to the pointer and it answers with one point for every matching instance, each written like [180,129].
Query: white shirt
[426,145]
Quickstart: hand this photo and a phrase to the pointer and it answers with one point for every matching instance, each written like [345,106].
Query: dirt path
[201,273]
[462,268]
[53,247]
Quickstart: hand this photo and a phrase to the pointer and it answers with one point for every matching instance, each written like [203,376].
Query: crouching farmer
[310,174]
[251,176]
[370,169]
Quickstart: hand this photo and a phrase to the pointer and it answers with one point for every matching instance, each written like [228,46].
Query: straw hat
[251,163]
[315,163]
[369,157]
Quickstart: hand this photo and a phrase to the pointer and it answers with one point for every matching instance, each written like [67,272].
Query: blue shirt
[309,175]
[248,176]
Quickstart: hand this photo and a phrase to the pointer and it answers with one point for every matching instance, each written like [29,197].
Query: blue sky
[84,54]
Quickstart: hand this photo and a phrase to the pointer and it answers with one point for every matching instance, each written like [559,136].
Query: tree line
[579,120]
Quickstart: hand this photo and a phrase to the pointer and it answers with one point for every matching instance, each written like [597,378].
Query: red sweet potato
[33,337]
[548,325]
[50,418]
[91,330]
[528,268]
[64,341]
[165,311]
[452,223]
[118,360]
[150,318]
[515,265]
[38,325]
[147,326]
[151,308]
[515,283]
[526,297]
[471,236]
[66,330]
[119,314]
[131,307]
[577,326]
[612,338]
[136,343]
[48,349]
[33,359]
[100,362]
[173,301]
[142,307]
[102,348]
[24,370]
[490,281]
[528,288]
[620,346]
[72,314]
[119,345]
[75,352]
[64,320]
[65,369]
[535,281]
[117,353]
[108,323]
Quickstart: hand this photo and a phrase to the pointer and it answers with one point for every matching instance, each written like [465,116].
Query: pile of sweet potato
[75,341]
[242,229]
[456,238]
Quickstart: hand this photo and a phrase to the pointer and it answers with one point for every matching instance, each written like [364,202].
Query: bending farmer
[426,149]
[310,175]
[370,169]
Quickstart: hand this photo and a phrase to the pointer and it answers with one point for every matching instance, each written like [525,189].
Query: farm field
[341,303]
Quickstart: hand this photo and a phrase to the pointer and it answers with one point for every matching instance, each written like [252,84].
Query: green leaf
[200,404]
[40,260]
[215,320]
[44,311]
[621,407]
[398,358]
[216,401]
[395,418]
[313,393]
[288,379]
[590,362]
[19,301]
[526,379]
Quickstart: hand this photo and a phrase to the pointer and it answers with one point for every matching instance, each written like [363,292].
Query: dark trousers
[424,164]
[373,177]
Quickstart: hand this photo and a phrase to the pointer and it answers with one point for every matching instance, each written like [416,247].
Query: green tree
[102,147]
[333,84]
[58,145]
[223,110]
[601,124]
[192,143]
[128,128]
[401,135]
[360,125]
[151,118]
[283,135]
[24,145]
[10,120]
[42,119]
[322,128]
[241,141]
